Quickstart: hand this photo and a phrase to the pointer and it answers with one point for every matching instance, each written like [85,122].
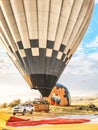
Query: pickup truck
[23,109]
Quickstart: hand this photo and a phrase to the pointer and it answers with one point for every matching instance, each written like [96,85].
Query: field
[79,106]
[84,100]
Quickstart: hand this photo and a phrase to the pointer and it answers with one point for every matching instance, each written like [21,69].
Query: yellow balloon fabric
[3,119]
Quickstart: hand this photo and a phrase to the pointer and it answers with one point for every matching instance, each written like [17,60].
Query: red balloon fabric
[16,122]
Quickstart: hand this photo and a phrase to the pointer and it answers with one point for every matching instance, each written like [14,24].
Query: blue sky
[92,34]
[80,76]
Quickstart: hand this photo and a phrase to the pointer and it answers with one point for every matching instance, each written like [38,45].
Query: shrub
[4,105]
[14,103]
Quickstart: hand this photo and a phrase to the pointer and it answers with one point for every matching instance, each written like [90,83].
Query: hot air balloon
[59,96]
[40,36]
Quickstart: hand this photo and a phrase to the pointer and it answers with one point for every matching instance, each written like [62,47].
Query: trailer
[40,105]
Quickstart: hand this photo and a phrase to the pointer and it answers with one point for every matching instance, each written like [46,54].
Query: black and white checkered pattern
[42,35]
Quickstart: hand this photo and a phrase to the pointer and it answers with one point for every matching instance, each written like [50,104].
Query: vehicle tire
[14,113]
[24,111]
[31,111]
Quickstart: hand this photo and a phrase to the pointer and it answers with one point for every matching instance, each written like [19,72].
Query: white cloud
[81,75]
[6,64]
[93,44]
[96,1]
[83,64]
[94,56]
[12,86]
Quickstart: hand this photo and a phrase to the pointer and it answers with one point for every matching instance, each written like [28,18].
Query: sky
[80,76]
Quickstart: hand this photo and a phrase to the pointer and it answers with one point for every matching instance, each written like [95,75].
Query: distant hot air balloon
[59,96]
[40,36]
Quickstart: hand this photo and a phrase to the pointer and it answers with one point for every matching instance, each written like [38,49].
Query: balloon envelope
[40,36]
[59,96]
